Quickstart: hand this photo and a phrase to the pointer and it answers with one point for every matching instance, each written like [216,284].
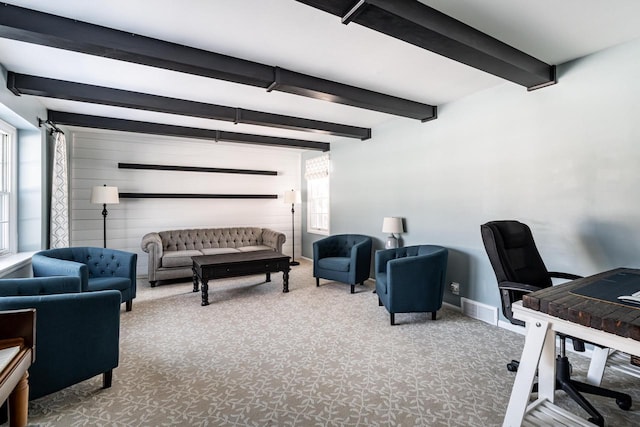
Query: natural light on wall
[317,175]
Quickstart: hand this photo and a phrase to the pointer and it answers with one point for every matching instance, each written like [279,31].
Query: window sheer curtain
[59,215]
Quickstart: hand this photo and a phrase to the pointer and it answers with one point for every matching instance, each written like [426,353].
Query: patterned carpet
[312,357]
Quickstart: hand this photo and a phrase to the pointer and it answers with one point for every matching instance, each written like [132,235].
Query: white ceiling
[298,37]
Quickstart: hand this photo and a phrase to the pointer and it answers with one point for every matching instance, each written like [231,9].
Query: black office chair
[520,270]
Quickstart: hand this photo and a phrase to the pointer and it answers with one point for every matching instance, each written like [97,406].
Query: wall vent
[477,310]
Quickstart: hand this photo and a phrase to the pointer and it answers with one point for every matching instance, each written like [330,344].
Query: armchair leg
[379,302]
[433,315]
[129,305]
[317,281]
[393,318]
[107,378]
[353,288]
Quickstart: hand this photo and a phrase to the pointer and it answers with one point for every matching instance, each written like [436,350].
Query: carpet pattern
[312,357]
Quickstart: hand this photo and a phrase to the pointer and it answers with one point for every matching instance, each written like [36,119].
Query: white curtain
[59,227]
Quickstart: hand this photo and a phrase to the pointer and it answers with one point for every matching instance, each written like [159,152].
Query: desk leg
[547,368]
[519,400]
[19,403]
[285,281]
[205,292]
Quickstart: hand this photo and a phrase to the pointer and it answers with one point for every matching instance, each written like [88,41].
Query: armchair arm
[515,286]
[361,258]
[561,275]
[152,244]
[381,259]
[44,266]
[39,286]
[406,279]
[273,238]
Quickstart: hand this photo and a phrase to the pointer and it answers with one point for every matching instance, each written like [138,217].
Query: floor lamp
[104,196]
[293,197]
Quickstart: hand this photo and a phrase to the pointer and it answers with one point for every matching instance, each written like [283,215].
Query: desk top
[559,301]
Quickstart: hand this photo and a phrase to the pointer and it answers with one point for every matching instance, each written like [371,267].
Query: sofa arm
[39,286]
[44,266]
[152,244]
[274,239]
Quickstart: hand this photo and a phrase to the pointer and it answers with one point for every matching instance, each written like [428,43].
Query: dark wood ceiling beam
[425,27]
[22,84]
[96,122]
[32,26]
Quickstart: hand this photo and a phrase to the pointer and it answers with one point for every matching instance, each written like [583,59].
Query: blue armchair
[77,333]
[98,269]
[411,279]
[345,258]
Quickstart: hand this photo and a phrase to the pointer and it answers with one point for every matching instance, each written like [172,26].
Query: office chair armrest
[561,275]
[515,286]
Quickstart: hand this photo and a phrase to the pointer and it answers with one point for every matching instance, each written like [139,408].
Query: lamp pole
[293,237]
[104,224]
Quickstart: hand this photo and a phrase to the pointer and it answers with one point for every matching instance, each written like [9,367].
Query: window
[317,176]
[7,197]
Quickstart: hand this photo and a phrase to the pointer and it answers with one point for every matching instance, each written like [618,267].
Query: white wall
[564,159]
[94,161]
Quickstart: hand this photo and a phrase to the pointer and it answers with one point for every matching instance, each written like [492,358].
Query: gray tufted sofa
[170,252]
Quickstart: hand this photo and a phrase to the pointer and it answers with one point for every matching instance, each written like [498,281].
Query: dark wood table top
[239,257]
[560,301]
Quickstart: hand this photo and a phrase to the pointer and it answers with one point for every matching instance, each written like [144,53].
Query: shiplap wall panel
[94,158]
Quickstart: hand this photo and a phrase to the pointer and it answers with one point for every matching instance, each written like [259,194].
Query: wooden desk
[557,309]
[17,329]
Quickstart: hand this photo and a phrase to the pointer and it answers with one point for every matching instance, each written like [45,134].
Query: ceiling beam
[32,26]
[425,27]
[22,84]
[96,122]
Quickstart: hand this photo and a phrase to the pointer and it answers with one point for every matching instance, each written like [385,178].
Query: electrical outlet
[455,288]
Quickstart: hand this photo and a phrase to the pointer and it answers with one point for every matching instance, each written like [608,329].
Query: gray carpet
[312,357]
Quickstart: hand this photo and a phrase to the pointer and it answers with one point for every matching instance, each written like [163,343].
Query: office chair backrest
[514,258]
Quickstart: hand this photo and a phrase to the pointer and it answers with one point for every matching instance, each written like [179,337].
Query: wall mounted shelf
[195,196]
[195,169]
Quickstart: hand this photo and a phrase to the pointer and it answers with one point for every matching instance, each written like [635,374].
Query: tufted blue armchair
[77,333]
[98,269]
[411,279]
[345,258]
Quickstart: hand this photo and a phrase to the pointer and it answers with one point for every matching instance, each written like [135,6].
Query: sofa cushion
[179,258]
[255,248]
[106,283]
[335,263]
[216,251]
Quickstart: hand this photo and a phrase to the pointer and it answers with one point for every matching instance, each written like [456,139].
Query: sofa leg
[129,305]
[433,315]
[317,281]
[152,283]
[107,378]
[393,318]
[353,289]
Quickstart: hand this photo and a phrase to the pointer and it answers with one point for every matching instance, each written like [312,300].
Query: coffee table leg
[205,292]
[285,281]
[195,281]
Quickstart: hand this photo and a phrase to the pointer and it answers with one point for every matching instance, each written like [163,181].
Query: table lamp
[104,196]
[391,225]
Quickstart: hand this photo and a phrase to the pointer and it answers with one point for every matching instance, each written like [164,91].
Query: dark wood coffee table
[207,267]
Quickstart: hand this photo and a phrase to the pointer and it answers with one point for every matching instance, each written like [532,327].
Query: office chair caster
[513,366]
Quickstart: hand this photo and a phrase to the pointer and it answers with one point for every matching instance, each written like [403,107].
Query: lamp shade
[392,224]
[104,195]
[292,196]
